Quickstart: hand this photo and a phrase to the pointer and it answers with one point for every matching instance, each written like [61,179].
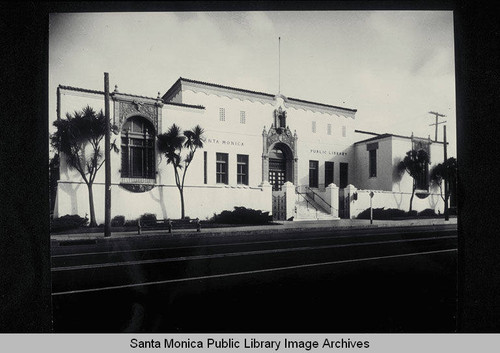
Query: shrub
[118,221]
[412,213]
[242,215]
[382,213]
[130,223]
[67,222]
[394,213]
[148,217]
[428,212]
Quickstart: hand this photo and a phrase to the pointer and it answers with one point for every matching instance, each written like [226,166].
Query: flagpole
[279,65]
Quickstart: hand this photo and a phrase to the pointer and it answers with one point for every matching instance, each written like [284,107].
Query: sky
[394,67]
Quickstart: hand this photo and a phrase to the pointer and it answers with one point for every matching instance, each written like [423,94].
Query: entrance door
[344,204]
[279,206]
[277,173]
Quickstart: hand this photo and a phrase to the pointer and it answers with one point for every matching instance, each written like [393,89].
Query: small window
[313,174]
[243,118]
[221,168]
[222,114]
[344,131]
[372,163]
[314,127]
[242,169]
[329,129]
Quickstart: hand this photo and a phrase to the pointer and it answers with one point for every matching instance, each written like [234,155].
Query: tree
[445,171]
[172,144]
[53,178]
[415,164]
[78,137]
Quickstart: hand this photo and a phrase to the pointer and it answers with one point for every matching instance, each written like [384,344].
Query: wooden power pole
[446,211]
[437,123]
[107,161]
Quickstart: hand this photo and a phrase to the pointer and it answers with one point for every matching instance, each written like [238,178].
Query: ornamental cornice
[137,107]
[316,108]
[228,93]
[283,135]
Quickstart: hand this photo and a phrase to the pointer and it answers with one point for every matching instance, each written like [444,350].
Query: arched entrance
[280,166]
[279,161]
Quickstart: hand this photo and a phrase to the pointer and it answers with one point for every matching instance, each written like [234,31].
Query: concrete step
[309,213]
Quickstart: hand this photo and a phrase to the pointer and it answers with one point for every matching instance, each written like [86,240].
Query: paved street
[378,279]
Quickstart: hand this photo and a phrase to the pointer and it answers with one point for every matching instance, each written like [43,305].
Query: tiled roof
[321,104]
[268,95]
[185,105]
[77,89]
[227,87]
[69,88]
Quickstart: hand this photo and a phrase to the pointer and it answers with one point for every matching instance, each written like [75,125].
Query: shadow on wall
[397,175]
[160,199]
[71,192]
[434,197]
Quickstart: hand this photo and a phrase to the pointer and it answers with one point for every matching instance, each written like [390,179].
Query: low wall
[163,200]
[392,199]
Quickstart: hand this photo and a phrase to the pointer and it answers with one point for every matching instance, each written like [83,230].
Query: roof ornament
[116,89]
[138,105]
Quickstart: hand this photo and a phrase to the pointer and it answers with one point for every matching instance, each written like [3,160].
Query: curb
[239,232]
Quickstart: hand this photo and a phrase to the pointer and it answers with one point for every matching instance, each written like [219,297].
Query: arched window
[137,148]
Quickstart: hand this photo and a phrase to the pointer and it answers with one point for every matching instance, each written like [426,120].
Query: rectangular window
[242,169]
[313,174]
[221,168]
[205,167]
[328,173]
[314,127]
[243,118]
[372,163]
[222,114]
[344,131]
[344,169]
[329,129]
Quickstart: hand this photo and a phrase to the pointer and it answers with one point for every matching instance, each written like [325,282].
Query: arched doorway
[280,166]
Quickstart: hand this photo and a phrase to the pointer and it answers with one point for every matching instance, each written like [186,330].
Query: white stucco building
[294,158]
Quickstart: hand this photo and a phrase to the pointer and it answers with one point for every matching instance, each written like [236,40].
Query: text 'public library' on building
[294,158]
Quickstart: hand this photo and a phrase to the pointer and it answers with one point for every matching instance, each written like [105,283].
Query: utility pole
[107,161]
[437,123]
[446,212]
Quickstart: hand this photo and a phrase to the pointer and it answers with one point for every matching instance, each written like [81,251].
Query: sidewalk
[285,227]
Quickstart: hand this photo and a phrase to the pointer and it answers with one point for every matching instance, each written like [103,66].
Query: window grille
[221,168]
[137,149]
[242,169]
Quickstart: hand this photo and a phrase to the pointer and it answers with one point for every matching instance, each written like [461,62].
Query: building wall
[233,137]
[390,190]
[384,177]
[259,113]
[201,200]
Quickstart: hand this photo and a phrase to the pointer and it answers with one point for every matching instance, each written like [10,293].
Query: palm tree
[172,144]
[446,171]
[414,163]
[74,134]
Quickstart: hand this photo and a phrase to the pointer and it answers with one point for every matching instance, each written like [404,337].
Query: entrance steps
[308,210]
